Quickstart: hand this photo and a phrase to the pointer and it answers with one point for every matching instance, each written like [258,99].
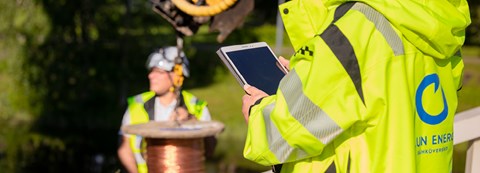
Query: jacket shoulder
[141,98]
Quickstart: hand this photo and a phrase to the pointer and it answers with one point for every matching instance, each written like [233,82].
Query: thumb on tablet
[284,62]
[248,89]
[254,92]
[251,90]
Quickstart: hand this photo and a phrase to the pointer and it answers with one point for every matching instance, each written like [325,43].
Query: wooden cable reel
[175,147]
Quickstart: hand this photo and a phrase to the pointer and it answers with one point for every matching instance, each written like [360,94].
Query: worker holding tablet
[372,88]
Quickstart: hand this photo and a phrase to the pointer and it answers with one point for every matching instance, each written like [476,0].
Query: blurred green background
[66,68]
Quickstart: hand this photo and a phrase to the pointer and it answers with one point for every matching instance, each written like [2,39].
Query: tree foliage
[73,63]
[473,31]
[24,23]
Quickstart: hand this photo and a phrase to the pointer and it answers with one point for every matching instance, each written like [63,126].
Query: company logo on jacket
[425,115]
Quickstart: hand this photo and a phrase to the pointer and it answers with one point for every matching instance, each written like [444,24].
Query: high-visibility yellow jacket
[141,111]
[371,89]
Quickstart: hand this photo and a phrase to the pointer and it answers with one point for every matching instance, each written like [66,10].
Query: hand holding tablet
[253,64]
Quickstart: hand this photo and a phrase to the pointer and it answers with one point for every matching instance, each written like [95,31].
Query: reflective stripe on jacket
[141,109]
[363,92]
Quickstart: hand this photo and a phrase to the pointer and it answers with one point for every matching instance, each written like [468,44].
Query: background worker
[159,104]
[372,87]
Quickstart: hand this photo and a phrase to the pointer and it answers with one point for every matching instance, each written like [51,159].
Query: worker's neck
[167,98]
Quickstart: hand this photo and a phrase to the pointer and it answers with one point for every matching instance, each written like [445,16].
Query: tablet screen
[259,67]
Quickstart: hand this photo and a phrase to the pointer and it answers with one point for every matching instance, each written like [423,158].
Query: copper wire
[175,155]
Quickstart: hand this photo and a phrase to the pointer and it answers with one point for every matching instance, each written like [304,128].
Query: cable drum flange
[171,129]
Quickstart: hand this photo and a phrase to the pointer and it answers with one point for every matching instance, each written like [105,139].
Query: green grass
[469,95]
[224,103]
[471,51]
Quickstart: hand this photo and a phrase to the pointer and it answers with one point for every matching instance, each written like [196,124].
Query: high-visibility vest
[364,92]
[141,111]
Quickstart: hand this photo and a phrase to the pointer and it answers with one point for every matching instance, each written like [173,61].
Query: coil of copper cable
[175,155]
[175,148]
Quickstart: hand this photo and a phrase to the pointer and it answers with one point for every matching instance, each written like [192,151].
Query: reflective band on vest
[382,25]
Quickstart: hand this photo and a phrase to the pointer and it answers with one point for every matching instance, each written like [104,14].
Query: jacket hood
[436,27]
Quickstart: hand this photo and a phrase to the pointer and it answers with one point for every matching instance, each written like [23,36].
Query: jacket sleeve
[317,102]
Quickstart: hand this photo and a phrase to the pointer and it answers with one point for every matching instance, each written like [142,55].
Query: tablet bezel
[222,53]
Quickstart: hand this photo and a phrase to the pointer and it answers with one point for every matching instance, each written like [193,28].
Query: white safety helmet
[164,58]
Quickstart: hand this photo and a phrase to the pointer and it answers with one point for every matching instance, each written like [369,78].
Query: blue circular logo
[424,116]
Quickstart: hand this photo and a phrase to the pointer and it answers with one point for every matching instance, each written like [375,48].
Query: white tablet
[253,64]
